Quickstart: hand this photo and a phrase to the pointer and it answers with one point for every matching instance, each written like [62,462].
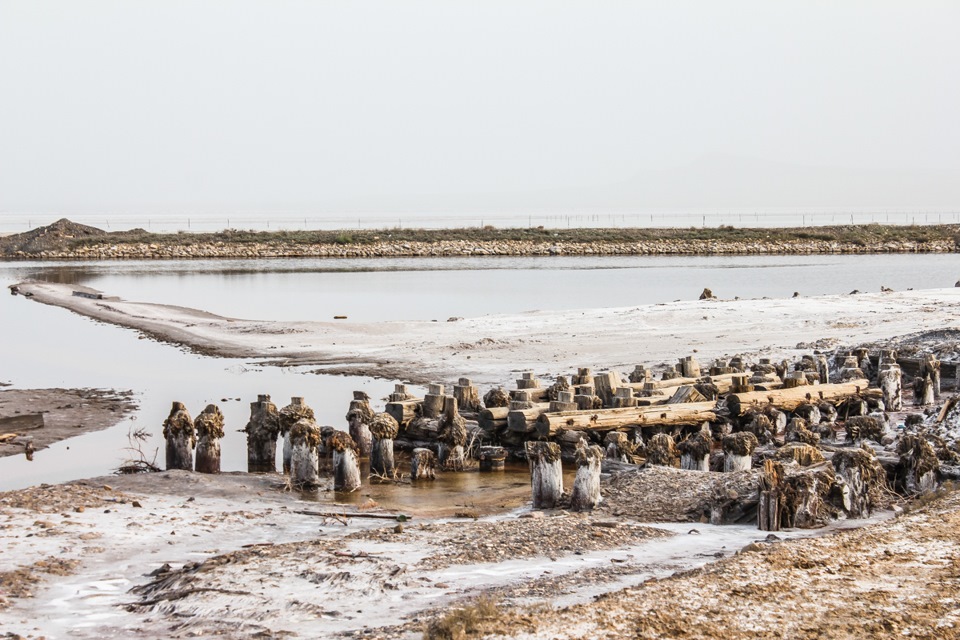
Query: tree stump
[586,485]
[180,436]
[738,451]
[209,425]
[383,429]
[546,473]
[346,466]
[422,464]
[304,459]
[289,416]
[262,430]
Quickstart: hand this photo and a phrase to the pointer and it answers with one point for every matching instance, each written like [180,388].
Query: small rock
[136,504]
[772,538]
[398,528]
[532,514]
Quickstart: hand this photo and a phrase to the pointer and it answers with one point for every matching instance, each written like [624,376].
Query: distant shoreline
[141,245]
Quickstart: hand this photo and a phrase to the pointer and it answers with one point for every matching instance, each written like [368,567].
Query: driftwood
[688,414]
[180,435]
[209,426]
[790,399]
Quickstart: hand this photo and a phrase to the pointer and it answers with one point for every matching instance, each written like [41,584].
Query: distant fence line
[16,223]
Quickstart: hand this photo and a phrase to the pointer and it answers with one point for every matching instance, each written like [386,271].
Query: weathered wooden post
[891,384]
[422,464]
[606,385]
[304,458]
[809,412]
[468,398]
[586,484]
[181,438]
[433,402]
[794,379]
[262,430]
[289,416]
[346,466]
[863,480]
[452,435]
[618,447]
[624,398]
[919,465]
[546,473]
[640,374]
[771,483]
[662,451]
[384,429]
[738,451]
[564,402]
[930,366]
[359,416]
[695,452]
[923,391]
[689,367]
[492,458]
[209,426]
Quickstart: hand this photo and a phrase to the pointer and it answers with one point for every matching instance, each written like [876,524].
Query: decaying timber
[262,430]
[797,431]
[803,454]
[790,399]
[546,474]
[586,485]
[359,416]
[919,465]
[209,426]
[423,464]
[497,397]
[862,480]
[452,435]
[662,451]
[432,404]
[695,452]
[346,466]
[864,427]
[738,451]
[292,413]
[492,458]
[304,458]
[770,506]
[688,414]
[180,437]
[383,429]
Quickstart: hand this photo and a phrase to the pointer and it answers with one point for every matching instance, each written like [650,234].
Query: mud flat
[33,419]
[547,342]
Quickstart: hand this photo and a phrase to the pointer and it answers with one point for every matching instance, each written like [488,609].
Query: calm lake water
[50,347]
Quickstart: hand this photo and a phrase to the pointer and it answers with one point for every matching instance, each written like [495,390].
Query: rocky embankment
[66,240]
[141,251]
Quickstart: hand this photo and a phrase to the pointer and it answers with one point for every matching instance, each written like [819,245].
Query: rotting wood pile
[707,443]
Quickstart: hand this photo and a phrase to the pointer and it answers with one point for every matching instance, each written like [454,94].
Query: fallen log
[687,414]
[790,399]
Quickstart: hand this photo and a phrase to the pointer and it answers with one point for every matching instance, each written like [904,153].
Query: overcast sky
[418,105]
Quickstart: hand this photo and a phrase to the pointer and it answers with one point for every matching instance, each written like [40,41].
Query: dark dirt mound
[51,237]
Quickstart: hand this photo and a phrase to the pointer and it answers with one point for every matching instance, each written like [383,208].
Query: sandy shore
[178,554]
[66,413]
[492,349]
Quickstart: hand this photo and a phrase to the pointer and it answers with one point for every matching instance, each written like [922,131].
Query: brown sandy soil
[66,413]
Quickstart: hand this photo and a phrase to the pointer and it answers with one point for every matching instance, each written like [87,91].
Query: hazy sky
[510,106]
